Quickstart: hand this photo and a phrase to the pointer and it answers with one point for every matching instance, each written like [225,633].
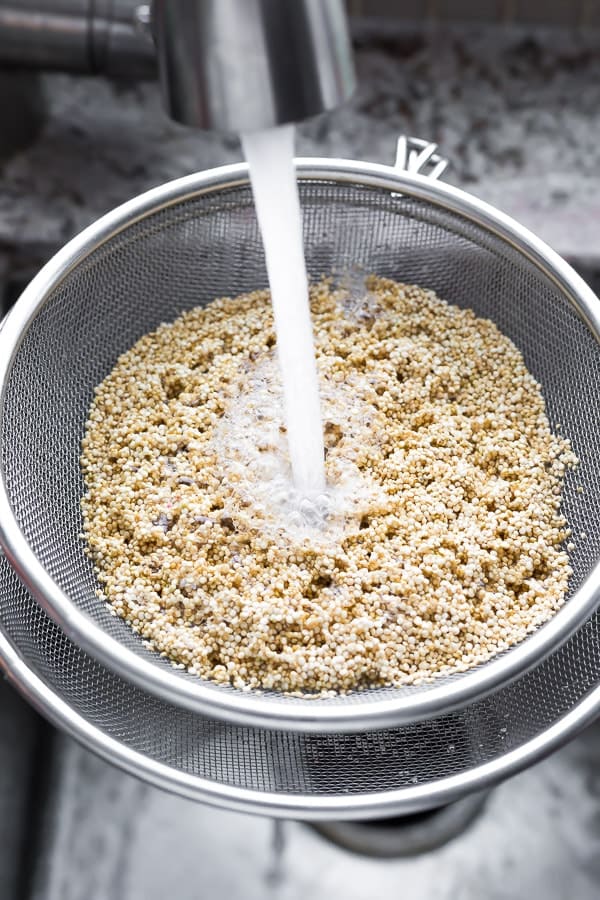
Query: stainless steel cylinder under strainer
[364,754]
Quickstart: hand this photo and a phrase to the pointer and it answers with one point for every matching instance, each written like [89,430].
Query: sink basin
[113,836]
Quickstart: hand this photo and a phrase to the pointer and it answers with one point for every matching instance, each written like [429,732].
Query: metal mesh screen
[328,765]
[184,256]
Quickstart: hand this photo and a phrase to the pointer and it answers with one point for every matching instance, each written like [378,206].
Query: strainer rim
[201,696]
[309,807]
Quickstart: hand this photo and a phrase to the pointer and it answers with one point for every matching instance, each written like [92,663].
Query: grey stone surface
[517,113]
[115,838]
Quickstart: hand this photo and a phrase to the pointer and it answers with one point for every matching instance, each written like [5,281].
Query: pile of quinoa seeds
[437,544]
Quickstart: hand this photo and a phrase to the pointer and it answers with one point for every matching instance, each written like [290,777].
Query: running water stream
[270,157]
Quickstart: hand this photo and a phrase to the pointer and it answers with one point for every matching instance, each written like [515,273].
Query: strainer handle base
[419,157]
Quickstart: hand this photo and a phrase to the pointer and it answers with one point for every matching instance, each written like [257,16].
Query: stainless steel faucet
[86,36]
[241,65]
[230,65]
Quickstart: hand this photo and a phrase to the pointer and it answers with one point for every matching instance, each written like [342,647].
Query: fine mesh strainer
[179,246]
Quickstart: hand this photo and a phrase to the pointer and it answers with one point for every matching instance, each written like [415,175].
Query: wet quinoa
[440,542]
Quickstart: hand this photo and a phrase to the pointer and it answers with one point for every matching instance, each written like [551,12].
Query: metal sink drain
[405,835]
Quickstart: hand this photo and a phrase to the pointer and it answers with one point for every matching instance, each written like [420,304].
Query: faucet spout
[243,65]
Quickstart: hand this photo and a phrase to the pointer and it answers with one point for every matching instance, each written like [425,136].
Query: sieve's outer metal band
[253,710]
[309,807]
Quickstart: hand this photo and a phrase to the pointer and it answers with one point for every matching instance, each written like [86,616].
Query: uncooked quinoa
[437,545]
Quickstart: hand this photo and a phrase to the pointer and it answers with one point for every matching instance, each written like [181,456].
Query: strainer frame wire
[405,800]
[256,710]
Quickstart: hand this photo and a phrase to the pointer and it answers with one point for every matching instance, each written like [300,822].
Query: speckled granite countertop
[517,114]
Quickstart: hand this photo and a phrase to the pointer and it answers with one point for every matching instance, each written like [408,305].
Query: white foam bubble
[255,460]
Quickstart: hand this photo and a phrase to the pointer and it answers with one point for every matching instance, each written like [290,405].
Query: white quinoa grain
[456,555]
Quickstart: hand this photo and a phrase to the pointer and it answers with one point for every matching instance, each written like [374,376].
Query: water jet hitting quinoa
[445,549]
